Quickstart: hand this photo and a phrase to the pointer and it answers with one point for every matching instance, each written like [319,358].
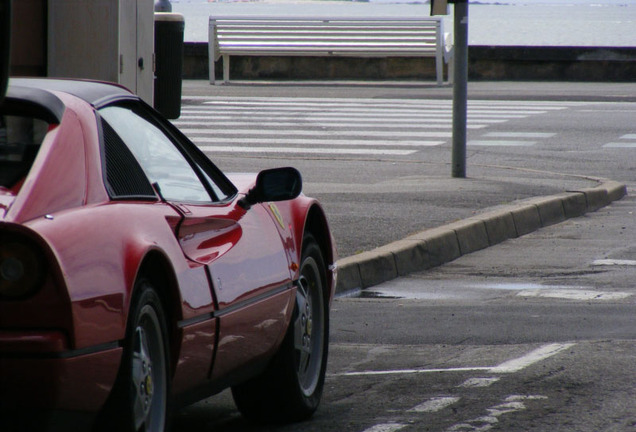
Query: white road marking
[484,423]
[314,142]
[374,101]
[343,151]
[478,382]
[386,427]
[532,357]
[315,125]
[268,110]
[213,125]
[416,371]
[330,115]
[574,294]
[434,404]
[501,143]
[310,133]
[392,103]
[614,262]
[620,145]
[520,135]
[506,367]
[511,404]
[623,144]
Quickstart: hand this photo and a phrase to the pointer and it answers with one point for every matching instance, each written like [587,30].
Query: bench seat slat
[312,36]
[326,46]
[326,52]
[226,32]
[298,40]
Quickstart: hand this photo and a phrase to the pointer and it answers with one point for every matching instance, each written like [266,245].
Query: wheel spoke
[142,378]
[300,324]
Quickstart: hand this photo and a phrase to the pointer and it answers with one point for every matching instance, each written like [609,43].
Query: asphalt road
[524,140]
[534,334]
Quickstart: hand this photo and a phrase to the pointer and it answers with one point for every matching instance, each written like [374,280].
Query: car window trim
[193,155]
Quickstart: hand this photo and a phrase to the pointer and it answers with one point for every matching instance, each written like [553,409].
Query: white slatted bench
[317,36]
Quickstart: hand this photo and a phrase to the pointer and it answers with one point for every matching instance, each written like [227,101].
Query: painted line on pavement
[415,371]
[395,103]
[501,143]
[434,404]
[294,150]
[319,114]
[510,405]
[401,102]
[532,357]
[386,427]
[620,145]
[614,262]
[520,135]
[566,294]
[319,133]
[506,367]
[329,115]
[212,125]
[478,382]
[316,142]
[269,109]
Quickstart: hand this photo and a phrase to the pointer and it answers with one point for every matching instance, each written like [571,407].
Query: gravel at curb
[437,246]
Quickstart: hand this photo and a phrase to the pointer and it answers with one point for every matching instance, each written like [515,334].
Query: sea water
[578,23]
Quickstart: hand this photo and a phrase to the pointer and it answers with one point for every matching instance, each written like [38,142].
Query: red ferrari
[135,277]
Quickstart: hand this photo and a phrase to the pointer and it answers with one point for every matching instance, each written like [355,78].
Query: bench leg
[439,68]
[212,72]
[226,68]
[211,54]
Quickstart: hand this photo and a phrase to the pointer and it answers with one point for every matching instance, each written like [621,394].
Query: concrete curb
[434,247]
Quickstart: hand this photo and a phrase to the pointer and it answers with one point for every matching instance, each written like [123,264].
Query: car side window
[164,165]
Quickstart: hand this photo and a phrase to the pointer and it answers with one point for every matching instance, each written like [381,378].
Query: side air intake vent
[124,177]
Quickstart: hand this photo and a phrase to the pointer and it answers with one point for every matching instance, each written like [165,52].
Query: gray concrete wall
[485,63]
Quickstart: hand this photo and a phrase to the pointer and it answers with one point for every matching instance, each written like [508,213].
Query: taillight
[21,267]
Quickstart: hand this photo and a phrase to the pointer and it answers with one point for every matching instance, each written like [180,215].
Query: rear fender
[100,251]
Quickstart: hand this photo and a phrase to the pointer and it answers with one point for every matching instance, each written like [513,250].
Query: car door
[248,269]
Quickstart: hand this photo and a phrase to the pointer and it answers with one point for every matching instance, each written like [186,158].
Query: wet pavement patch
[412,289]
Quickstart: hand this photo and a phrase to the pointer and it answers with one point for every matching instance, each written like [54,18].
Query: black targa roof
[38,92]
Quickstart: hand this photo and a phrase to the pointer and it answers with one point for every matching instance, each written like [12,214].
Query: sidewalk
[484,90]
[450,217]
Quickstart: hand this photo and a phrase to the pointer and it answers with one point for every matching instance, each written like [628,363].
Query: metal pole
[460,93]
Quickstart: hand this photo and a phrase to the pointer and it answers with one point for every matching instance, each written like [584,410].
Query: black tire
[291,388]
[139,401]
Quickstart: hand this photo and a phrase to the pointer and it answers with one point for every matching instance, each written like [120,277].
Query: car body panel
[227,276]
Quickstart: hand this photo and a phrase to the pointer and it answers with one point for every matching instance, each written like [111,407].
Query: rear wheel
[291,388]
[140,398]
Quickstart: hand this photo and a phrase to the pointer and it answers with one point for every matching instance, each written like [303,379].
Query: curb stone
[437,246]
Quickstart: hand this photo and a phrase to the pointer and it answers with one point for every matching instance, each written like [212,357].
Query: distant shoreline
[597,3]
[569,23]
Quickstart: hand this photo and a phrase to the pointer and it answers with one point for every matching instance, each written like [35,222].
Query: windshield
[20,139]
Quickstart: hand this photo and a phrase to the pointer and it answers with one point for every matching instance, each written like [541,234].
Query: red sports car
[136,277]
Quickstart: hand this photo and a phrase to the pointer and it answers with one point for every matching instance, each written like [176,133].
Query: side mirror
[5,45]
[278,184]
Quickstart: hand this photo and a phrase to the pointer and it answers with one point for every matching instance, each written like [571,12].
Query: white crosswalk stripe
[343,126]
[626,141]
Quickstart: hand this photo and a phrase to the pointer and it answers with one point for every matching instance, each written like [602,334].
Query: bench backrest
[359,37]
